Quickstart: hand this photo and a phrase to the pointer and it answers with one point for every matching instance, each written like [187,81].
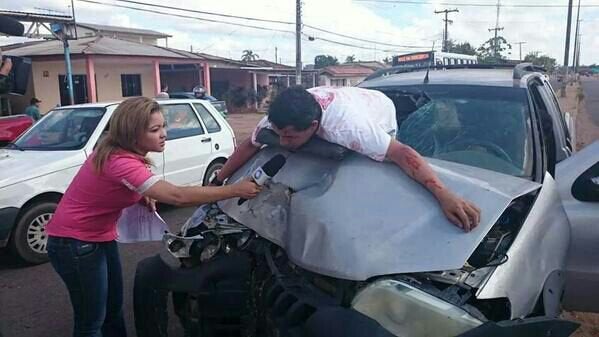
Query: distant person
[5,67]
[163,92]
[33,110]
[199,92]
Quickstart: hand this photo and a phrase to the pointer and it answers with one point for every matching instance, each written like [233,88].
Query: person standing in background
[33,110]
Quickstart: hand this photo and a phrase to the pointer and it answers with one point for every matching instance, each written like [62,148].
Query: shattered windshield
[482,126]
[62,129]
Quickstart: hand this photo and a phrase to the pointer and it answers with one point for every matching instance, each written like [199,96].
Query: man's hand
[6,66]
[460,212]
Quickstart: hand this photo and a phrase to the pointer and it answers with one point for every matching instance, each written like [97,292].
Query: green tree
[387,60]
[321,61]
[460,48]
[350,59]
[537,58]
[249,55]
[491,51]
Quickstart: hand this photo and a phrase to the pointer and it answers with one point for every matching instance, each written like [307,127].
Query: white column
[255,83]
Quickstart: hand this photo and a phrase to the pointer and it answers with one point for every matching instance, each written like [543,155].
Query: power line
[235,23]
[188,16]
[205,12]
[310,38]
[409,2]
[269,21]
[363,40]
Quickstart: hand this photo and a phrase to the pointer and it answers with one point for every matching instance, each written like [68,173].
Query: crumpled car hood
[356,218]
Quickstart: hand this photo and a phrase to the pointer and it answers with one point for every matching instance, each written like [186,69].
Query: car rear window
[209,120]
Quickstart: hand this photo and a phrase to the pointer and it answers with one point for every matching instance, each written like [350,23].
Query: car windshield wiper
[15,146]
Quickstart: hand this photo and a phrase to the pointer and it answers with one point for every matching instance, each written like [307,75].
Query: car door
[188,146]
[578,181]
[218,129]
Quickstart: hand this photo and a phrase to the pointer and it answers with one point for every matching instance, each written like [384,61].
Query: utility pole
[447,22]
[577,52]
[298,42]
[495,44]
[520,44]
[574,57]
[496,29]
[567,51]
[276,54]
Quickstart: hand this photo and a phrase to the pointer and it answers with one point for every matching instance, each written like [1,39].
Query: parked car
[36,169]
[339,245]
[220,106]
[12,127]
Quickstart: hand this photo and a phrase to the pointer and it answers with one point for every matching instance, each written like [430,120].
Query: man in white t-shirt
[359,119]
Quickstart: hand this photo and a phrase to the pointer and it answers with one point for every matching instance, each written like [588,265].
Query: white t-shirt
[359,119]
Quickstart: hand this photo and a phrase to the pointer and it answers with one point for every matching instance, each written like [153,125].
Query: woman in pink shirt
[82,232]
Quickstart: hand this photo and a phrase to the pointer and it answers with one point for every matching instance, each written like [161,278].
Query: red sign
[413,57]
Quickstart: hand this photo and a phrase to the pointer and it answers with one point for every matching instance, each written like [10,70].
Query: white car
[38,167]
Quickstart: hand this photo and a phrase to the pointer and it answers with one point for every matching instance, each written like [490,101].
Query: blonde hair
[128,122]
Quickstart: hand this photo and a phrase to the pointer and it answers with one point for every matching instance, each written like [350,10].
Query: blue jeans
[92,273]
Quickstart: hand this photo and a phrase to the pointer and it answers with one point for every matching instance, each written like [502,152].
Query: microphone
[10,26]
[266,172]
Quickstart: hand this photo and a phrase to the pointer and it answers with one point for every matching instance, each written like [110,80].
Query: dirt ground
[587,132]
[244,124]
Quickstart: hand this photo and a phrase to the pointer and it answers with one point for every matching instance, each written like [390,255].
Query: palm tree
[350,59]
[249,55]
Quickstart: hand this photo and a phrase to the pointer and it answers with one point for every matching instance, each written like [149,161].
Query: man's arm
[461,212]
[242,154]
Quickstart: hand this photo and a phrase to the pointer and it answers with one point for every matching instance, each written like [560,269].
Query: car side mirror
[586,186]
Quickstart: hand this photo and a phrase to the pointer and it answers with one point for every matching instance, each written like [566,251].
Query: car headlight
[409,312]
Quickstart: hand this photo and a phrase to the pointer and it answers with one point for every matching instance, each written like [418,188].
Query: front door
[578,181]
[79,89]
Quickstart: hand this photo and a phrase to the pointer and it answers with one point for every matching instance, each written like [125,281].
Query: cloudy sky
[370,30]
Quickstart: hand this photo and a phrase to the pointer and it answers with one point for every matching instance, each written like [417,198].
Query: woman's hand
[150,203]
[246,189]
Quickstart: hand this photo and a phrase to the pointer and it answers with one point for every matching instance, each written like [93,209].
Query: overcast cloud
[543,29]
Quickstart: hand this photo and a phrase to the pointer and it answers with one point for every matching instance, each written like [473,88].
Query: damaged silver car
[339,245]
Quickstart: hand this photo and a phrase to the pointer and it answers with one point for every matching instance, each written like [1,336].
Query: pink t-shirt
[93,202]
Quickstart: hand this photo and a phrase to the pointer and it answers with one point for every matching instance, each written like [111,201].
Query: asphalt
[590,87]
[34,301]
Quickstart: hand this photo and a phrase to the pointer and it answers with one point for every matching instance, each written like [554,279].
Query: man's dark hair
[295,107]
[34,100]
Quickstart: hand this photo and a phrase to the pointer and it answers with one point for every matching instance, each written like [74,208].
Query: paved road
[34,301]
[591,97]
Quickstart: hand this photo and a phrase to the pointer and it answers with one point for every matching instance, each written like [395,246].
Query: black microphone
[266,172]
[10,26]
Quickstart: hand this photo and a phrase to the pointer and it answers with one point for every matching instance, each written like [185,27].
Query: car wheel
[212,171]
[29,238]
